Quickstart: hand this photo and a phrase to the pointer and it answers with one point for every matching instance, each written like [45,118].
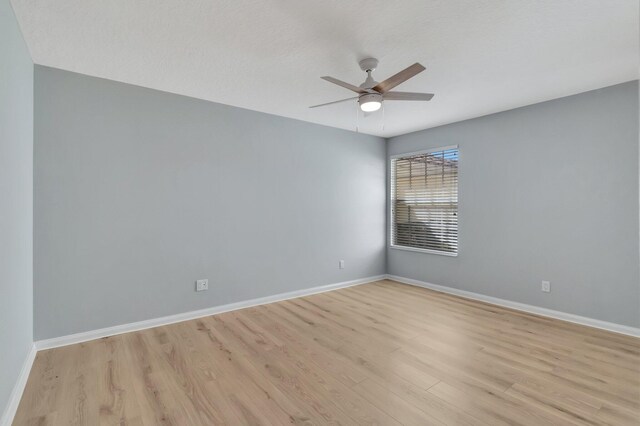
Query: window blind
[424,201]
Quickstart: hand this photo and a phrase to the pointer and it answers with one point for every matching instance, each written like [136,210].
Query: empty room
[271,212]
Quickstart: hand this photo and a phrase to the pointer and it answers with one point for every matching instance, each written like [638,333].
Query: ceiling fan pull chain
[357,119]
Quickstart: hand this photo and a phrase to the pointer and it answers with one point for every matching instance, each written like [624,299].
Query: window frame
[391,201]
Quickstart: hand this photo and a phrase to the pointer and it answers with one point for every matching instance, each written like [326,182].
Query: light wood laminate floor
[380,353]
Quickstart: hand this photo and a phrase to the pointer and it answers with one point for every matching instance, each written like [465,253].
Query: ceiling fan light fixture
[370,102]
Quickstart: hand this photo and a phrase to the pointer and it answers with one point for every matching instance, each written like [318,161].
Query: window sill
[419,250]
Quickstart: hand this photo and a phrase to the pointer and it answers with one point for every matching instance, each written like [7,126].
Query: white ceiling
[482,56]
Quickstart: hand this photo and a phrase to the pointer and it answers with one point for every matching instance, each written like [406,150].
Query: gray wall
[16,206]
[138,193]
[546,192]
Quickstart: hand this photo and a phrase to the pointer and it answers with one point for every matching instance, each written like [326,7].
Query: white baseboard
[577,319]
[185,316]
[18,389]
[16,394]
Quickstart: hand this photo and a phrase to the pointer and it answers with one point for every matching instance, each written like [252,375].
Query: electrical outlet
[341,264]
[546,286]
[202,285]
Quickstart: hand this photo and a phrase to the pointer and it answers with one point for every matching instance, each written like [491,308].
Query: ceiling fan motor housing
[370,97]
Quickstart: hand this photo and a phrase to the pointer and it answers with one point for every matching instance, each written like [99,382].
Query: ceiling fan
[371,94]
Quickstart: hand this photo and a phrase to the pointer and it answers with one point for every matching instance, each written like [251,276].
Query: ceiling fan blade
[334,102]
[407,96]
[345,85]
[398,78]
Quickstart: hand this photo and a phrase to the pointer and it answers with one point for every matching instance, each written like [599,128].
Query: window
[424,201]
